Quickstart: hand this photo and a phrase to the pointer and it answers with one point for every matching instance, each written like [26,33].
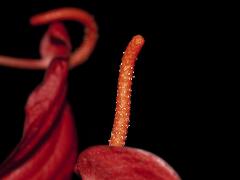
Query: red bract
[122,163]
[48,147]
[115,161]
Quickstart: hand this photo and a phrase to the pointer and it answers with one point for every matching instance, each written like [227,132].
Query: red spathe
[122,163]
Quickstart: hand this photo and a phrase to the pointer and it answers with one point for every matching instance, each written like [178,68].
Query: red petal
[118,163]
[48,147]
[55,42]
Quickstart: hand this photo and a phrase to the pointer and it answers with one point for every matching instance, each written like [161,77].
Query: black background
[173,98]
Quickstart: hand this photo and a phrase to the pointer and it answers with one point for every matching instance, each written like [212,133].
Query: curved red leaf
[48,147]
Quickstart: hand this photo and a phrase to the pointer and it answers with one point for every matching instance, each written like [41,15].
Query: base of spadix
[105,162]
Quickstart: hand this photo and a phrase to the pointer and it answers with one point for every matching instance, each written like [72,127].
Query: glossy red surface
[122,163]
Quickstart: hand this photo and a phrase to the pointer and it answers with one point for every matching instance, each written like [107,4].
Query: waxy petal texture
[48,148]
[122,163]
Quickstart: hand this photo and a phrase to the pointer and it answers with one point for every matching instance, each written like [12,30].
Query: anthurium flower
[48,148]
[116,161]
